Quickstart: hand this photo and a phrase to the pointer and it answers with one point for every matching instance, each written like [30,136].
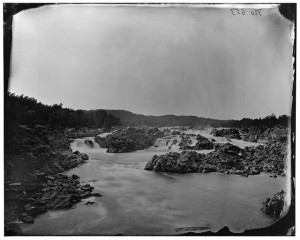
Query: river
[139,202]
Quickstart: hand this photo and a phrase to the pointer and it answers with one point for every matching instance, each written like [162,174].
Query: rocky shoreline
[226,157]
[35,159]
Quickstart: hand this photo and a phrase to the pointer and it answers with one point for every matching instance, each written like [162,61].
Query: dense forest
[28,111]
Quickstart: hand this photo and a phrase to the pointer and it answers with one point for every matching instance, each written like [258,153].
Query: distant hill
[132,119]
[26,110]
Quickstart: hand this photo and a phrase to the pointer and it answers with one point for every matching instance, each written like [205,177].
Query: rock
[38,154]
[129,140]
[202,143]
[35,210]
[291,231]
[86,194]
[96,195]
[87,187]
[24,214]
[226,158]
[12,229]
[254,134]
[27,219]
[89,142]
[184,143]
[183,162]
[228,133]
[84,156]
[175,133]
[207,168]
[74,176]
[274,206]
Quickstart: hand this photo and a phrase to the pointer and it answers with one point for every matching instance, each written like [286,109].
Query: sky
[205,62]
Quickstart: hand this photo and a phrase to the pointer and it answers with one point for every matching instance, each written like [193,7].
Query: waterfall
[84,143]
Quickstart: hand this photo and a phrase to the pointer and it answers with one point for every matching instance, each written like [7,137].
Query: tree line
[28,111]
[132,119]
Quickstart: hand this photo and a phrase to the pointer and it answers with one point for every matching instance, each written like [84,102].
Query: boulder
[27,219]
[85,194]
[35,210]
[274,206]
[183,162]
[227,132]
[129,140]
[64,202]
[89,142]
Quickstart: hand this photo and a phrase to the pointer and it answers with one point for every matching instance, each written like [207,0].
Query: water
[139,202]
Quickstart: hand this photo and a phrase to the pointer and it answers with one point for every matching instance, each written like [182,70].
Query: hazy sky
[155,60]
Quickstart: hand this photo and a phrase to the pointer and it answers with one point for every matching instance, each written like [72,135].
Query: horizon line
[170,114]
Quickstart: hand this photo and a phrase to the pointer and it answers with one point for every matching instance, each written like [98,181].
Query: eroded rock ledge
[225,158]
[35,157]
[129,139]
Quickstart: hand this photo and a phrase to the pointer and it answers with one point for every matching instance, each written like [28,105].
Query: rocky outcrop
[129,139]
[226,158]
[274,206]
[34,159]
[264,135]
[254,134]
[191,161]
[203,143]
[184,143]
[226,132]
[183,162]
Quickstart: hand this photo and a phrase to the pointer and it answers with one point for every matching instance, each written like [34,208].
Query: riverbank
[45,155]
[139,202]
[35,160]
